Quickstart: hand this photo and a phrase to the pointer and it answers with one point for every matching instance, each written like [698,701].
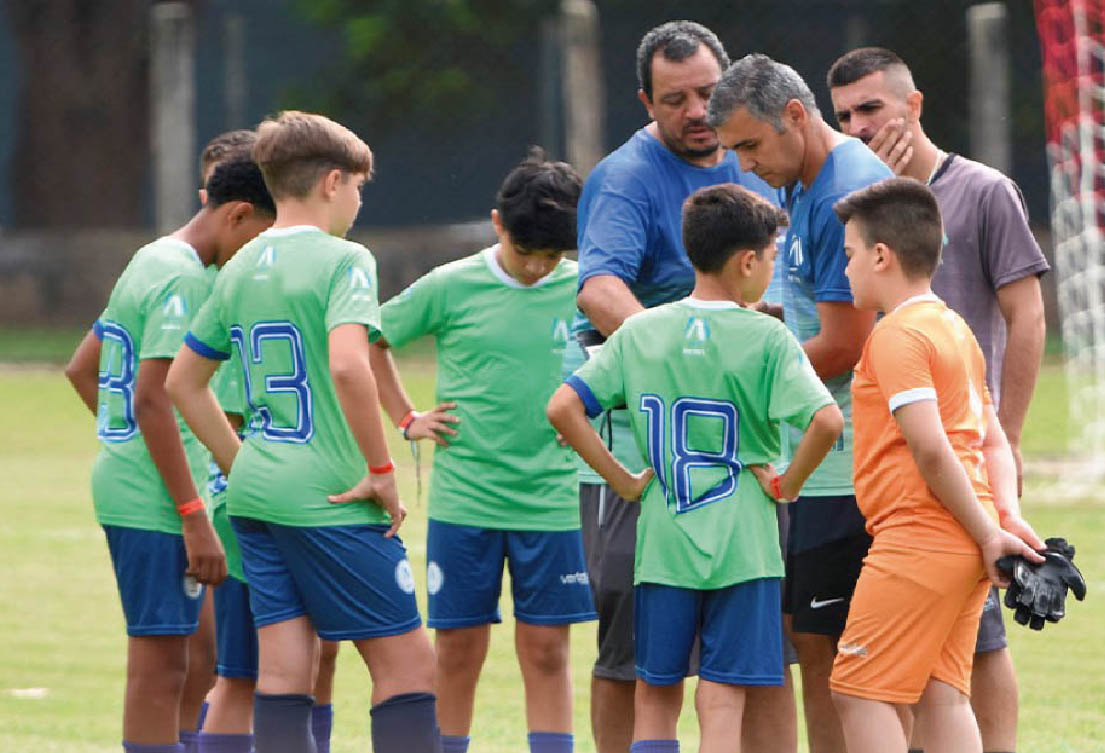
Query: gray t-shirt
[987,244]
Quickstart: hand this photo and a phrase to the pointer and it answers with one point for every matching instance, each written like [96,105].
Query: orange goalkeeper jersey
[920,351]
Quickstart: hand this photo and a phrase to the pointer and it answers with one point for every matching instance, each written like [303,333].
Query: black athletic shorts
[991,628]
[822,574]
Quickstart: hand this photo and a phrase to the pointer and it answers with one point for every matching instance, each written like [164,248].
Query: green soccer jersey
[706,384]
[227,386]
[275,303]
[499,349]
[146,317]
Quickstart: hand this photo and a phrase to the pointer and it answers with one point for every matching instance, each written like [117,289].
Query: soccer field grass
[61,664]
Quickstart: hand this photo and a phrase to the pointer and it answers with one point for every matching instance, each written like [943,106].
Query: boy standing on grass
[227,727]
[312,494]
[502,488]
[145,478]
[707,382]
[932,466]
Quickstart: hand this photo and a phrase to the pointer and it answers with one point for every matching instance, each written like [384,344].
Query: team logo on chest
[695,336]
[559,331]
[795,252]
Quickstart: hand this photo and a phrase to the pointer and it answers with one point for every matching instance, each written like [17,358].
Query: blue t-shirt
[815,262]
[630,221]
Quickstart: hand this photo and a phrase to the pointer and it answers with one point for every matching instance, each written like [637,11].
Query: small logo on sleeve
[360,284]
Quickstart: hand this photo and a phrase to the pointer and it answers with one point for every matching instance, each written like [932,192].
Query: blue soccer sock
[406,723]
[216,743]
[188,740]
[655,746]
[282,723]
[550,742]
[455,743]
[157,748]
[322,722]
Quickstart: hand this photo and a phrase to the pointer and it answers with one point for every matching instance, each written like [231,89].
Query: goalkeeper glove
[1038,592]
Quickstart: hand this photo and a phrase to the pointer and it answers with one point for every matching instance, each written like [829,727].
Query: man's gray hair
[760,85]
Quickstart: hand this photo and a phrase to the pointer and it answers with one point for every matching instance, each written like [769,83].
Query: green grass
[63,631]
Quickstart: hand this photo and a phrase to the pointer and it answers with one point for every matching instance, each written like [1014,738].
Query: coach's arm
[1022,307]
[607,301]
[836,349]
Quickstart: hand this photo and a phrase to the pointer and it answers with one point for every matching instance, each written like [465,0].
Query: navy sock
[188,740]
[214,743]
[282,723]
[322,722]
[550,742]
[655,746]
[406,723]
[158,748]
[455,743]
[202,716]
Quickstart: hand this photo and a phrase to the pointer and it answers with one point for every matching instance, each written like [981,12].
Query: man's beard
[682,150]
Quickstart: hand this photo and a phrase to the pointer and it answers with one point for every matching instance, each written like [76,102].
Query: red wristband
[189,507]
[406,420]
[387,467]
[777,487]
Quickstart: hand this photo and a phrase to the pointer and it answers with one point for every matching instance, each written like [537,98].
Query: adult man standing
[989,274]
[631,257]
[766,114]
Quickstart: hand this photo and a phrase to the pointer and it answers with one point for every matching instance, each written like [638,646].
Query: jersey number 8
[265,337]
[671,432]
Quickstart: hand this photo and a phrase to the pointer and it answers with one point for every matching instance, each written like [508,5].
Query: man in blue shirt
[631,257]
[765,113]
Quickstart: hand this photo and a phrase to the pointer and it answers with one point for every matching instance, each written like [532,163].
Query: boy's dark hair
[720,221]
[239,180]
[860,63]
[232,145]
[903,214]
[676,41]
[537,204]
[295,149]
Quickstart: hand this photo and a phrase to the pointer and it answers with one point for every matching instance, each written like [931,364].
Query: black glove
[1038,592]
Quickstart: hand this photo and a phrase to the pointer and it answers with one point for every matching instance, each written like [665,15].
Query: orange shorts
[914,616]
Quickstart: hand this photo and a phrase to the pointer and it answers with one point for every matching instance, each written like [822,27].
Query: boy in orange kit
[933,470]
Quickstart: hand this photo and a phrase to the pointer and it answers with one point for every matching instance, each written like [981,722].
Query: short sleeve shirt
[500,346]
[147,316]
[921,351]
[707,385]
[275,303]
[987,245]
[814,262]
[631,226]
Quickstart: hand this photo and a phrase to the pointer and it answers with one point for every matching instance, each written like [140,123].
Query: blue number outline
[295,382]
[122,384]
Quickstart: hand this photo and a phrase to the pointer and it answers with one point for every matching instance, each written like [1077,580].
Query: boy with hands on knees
[935,481]
[707,382]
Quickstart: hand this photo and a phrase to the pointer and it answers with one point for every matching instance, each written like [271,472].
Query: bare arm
[825,426]
[1022,307]
[83,371]
[187,385]
[156,421]
[351,370]
[923,430]
[1001,471]
[836,349]
[568,416]
[435,424]
[607,301]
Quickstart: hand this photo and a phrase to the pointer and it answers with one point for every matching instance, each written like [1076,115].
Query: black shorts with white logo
[821,578]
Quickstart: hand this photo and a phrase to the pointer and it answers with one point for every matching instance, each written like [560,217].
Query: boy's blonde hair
[295,149]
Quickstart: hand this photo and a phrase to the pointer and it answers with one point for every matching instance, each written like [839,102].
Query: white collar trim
[490,257]
[292,230]
[922,298]
[698,303]
[184,245]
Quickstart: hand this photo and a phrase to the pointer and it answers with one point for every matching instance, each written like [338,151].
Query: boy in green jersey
[707,382]
[226,720]
[502,490]
[312,494]
[145,478]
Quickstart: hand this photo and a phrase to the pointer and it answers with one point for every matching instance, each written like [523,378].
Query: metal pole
[234,71]
[173,100]
[988,27]
[583,97]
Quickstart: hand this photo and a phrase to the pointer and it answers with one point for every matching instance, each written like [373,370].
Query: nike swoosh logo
[815,604]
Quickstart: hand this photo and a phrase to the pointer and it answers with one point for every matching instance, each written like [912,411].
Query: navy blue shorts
[351,581]
[149,570]
[235,635]
[740,628]
[464,576]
